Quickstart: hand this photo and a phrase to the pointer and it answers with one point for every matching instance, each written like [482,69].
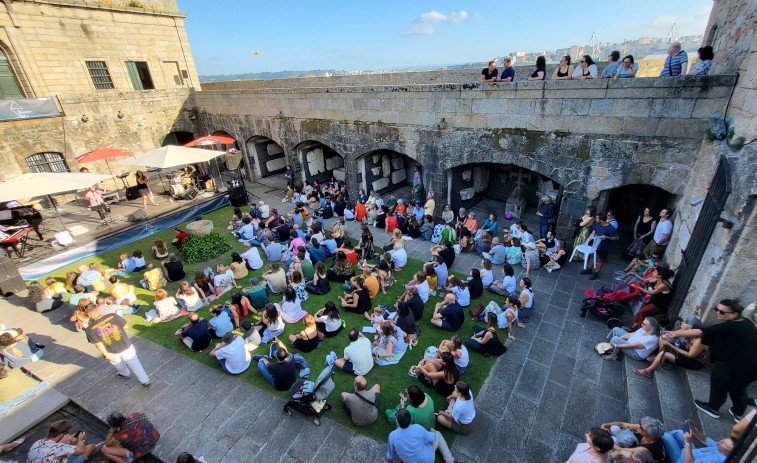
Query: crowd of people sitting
[298,248]
[676,64]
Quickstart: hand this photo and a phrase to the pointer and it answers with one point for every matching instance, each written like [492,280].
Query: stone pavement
[539,400]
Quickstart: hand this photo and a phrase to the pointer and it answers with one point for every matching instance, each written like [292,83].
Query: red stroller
[606,303]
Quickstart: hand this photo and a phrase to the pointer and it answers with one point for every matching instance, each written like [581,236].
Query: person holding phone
[680,449]
[61,446]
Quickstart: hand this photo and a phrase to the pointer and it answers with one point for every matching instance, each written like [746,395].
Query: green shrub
[202,248]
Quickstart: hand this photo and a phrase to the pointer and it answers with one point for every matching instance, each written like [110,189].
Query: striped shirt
[673,64]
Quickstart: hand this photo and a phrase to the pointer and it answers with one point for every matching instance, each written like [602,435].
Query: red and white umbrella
[211,140]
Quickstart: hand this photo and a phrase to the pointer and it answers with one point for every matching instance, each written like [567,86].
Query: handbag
[475,312]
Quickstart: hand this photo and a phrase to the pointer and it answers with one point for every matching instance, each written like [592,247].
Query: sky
[389,34]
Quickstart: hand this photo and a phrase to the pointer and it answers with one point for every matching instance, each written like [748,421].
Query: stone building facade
[119,75]
[584,142]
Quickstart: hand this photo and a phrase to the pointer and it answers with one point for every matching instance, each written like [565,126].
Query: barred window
[98,71]
[47,162]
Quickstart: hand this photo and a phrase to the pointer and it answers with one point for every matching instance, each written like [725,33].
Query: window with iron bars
[100,75]
[47,162]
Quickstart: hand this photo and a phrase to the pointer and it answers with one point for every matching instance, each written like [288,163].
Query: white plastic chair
[588,249]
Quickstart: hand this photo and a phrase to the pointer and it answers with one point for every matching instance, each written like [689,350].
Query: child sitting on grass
[125,266]
[139,260]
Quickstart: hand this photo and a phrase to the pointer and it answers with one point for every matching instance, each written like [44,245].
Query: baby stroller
[309,397]
[606,303]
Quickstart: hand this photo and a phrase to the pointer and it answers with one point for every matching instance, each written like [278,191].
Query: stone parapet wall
[643,107]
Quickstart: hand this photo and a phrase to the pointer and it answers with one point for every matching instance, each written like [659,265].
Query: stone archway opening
[266,155]
[387,171]
[629,202]
[320,162]
[500,189]
[178,138]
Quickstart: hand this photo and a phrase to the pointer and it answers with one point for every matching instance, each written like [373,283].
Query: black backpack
[327,212]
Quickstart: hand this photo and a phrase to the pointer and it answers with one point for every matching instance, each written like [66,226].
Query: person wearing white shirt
[460,413]
[231,354]
[638,345]
[358,358]
[661,235]
[251,256]
[399,256]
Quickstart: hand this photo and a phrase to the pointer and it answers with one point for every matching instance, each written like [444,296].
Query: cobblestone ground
[539,400]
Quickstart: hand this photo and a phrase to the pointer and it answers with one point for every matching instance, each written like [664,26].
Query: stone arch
[385,171]
[500,188]
[629,201]
[319,162]
[266,154]
[177,137]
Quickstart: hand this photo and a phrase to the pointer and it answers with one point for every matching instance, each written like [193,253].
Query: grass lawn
[393,378]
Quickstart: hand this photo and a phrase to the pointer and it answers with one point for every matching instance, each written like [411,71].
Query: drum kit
[181,186]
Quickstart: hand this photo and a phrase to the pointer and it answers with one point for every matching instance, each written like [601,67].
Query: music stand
[104,211]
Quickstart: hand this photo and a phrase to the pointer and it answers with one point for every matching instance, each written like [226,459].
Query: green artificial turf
[393,378]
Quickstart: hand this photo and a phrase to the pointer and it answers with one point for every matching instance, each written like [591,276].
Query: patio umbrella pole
[50,198]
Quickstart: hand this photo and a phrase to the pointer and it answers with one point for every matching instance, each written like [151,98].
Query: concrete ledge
[33,410]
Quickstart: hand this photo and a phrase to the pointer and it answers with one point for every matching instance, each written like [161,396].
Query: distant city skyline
[392,35]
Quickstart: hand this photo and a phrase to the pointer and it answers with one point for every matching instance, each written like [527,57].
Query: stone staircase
[669,396]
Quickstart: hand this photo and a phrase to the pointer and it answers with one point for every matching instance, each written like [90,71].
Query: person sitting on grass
[139,260]
[291,307]
[460,413]
[420,284]
[59,446]
[475,284]
[410,442]
[181,237]
[240,306]
[440,374]
[328,321]
[159,250]
[190,297]
[223,281]
[271,322]
[399,256]
[204,283]
[276,279]
[320,284]
[173,268]
[129,437]
[153,278]
[257,293]
[459,289]
[220,323]
[297,283]
[448,314]
[231,354]
[166,307]
[79,294]
[485,340]
[359,300]
[362,405]
[281,374]
[122,293]
[358,358]
[126,265]
[458,350]
[106,307]
[238,266]
[195,334]
[389,348]
[308,339]
[342,270]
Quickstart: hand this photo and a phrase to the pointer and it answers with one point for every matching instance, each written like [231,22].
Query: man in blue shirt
[508,75]
[679,448]
[676,62]
[612,65]
[605,233]
[412,443]
[195,334]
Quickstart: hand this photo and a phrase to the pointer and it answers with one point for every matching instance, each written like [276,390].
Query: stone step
[643,398]
[698,383]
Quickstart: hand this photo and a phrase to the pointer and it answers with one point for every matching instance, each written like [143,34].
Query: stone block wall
[147,117]
[49,42]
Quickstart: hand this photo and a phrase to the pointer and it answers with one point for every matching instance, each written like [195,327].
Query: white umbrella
[47,183]
[171,156]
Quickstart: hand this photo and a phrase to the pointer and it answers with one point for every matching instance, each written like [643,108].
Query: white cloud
[455,18]
[424,24]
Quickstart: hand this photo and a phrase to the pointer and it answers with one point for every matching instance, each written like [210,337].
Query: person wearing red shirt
[360,211]
[181,235]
